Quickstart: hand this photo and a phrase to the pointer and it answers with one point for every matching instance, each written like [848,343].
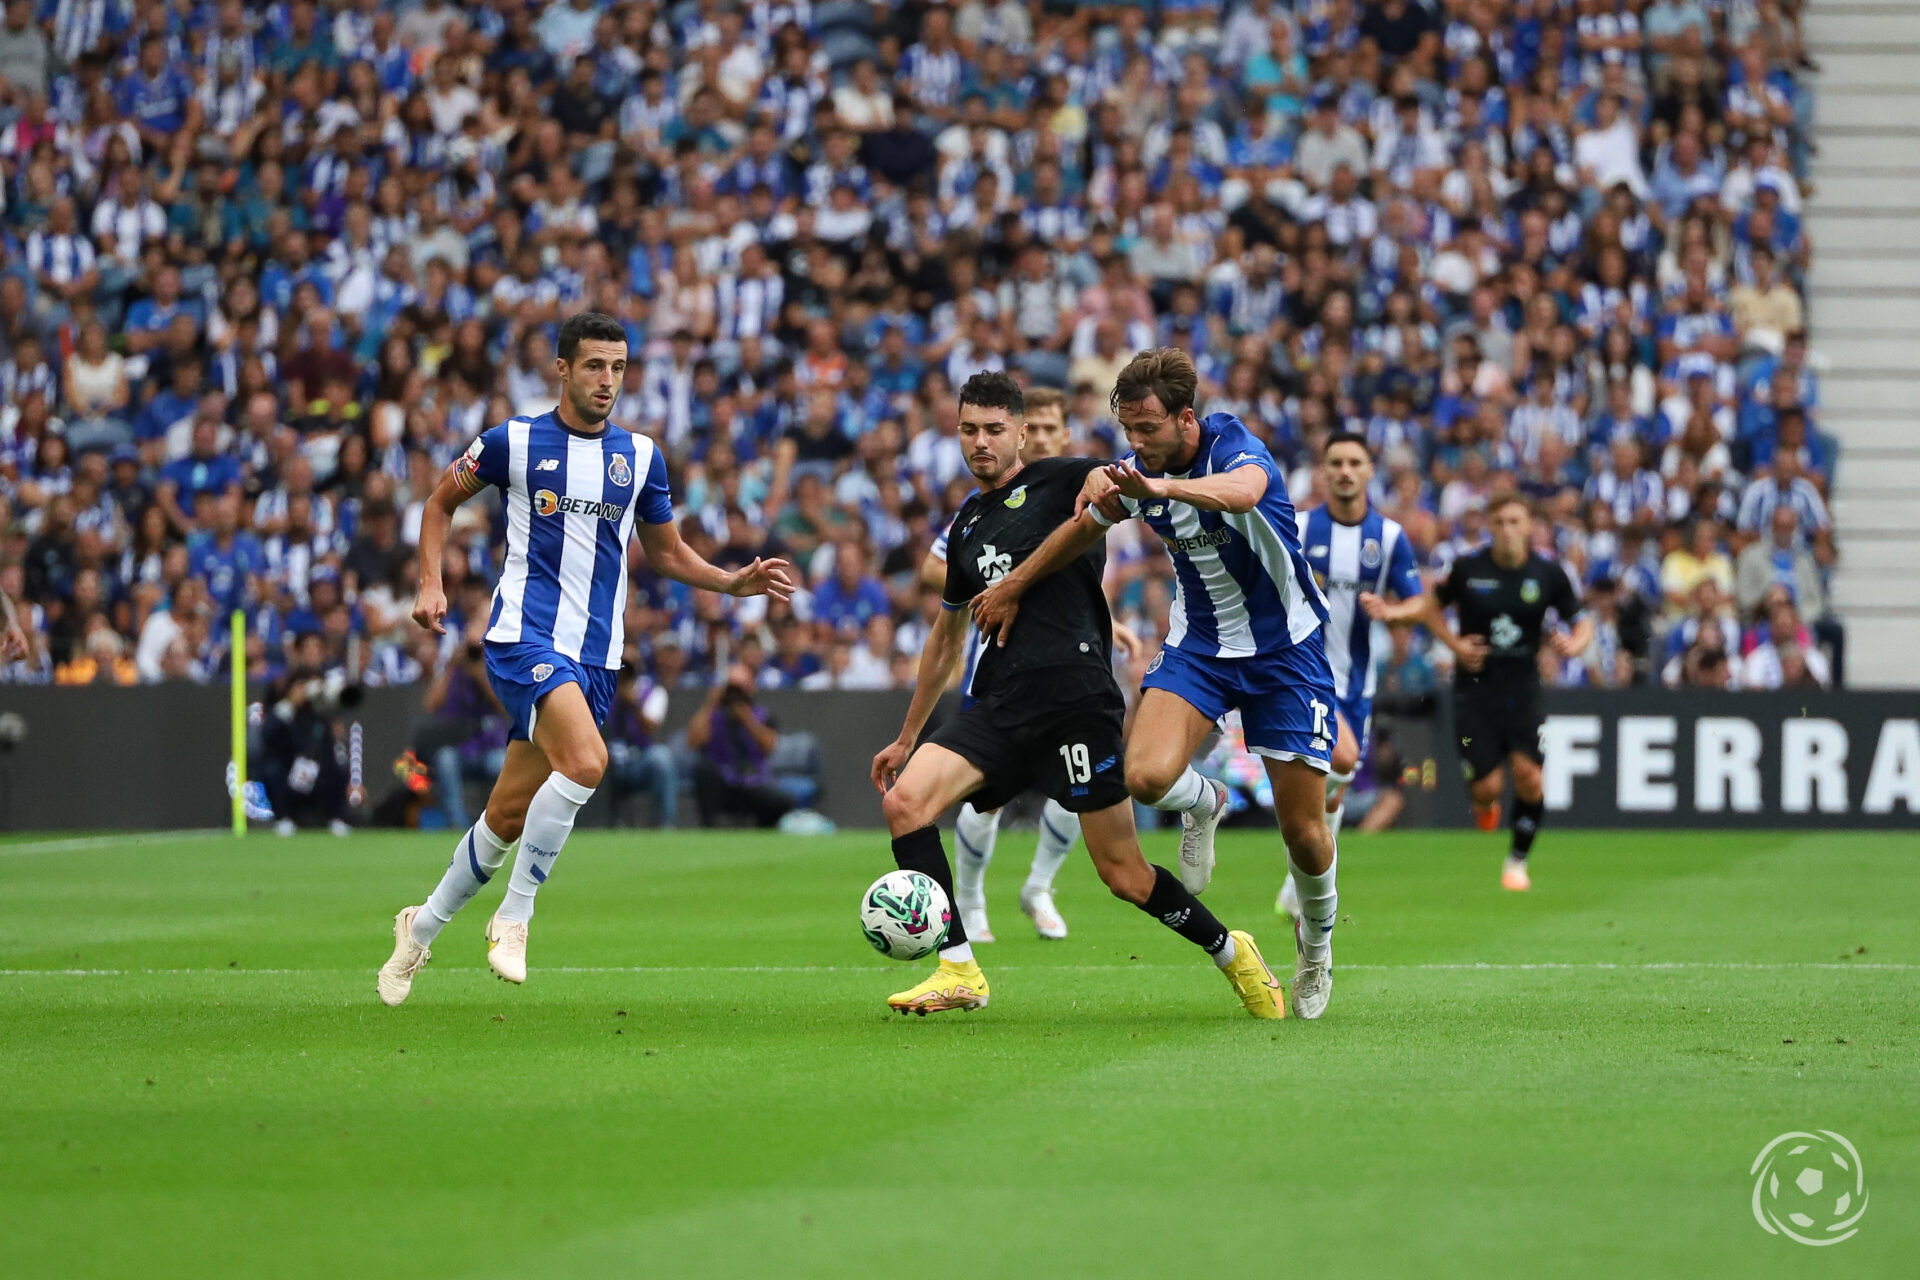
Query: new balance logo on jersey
[547,503]
[993,565]
[1217,538]
[547,464]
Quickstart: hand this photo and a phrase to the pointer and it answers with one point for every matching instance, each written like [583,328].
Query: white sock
[1337,784]
[1059,830]
[1319,908]
[974,834]
[1190,793]
[550,818]
[479,854]
[1224,956]
[961,954]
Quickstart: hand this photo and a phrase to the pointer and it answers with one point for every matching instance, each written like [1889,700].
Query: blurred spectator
[638,756]
[465,737]
[733,744]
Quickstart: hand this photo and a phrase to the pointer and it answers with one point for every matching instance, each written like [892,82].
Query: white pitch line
[78,843]
[1597,966]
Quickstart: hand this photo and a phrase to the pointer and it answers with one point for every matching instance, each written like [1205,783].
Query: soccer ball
[905,915]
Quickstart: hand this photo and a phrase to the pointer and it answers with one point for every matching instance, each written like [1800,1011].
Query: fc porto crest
[1017,498]
[1158,658]
[620,471]
[1370,553]
[1529,591]
[542,671]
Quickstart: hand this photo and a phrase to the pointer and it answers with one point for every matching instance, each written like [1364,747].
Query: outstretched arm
[1426,610]
[1237,491]
[945,642]
[669,554]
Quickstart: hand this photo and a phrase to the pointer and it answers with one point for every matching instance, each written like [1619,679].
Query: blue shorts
[1285,699]
[522,674]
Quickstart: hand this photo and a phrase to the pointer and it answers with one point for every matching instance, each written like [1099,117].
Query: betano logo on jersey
[1017,497]
[548,503]
[1215,538]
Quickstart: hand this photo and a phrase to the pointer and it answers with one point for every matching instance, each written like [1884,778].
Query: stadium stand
[269,267]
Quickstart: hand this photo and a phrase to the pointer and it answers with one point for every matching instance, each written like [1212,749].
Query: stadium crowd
[268,268]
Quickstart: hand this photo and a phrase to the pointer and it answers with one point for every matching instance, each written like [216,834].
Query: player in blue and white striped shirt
[577,490]
[1353,551]
[1246,633]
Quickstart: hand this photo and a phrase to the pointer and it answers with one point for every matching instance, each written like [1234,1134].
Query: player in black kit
[1047,711]
[1501,595]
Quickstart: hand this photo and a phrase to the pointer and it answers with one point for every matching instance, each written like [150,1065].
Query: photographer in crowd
[733,742]
[303,748]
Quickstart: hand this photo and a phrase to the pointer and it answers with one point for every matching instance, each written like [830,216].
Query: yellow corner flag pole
[237,659]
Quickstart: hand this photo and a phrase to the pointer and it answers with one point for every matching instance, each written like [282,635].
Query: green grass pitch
[700,1078]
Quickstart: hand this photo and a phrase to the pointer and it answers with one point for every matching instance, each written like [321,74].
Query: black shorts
[1495,721]
[1061,735]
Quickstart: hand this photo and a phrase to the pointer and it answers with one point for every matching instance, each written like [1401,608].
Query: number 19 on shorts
[1079,762]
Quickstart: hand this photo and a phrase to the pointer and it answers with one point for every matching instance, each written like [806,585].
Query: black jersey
[1508,608]
[1063,620]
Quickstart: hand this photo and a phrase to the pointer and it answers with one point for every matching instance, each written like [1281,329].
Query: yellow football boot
[1258,989]
[952,986]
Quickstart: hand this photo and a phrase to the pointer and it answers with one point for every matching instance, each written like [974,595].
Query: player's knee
[1346,754]
[1304,832]
[1527,781]
[584,762]
[905,809]
[1148,780]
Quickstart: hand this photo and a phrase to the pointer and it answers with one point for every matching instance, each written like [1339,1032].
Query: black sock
[1180,911]
[1527,816]
[921,851]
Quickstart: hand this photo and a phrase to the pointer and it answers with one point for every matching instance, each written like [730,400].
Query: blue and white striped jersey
[1242,585]
[1346,560]
[975,642]
[571,501]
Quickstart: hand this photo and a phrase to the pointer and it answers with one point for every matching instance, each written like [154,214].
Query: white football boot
[1047,921]
[1196,842]
[973,918]
[507,948]
[1312,983]
[396,975]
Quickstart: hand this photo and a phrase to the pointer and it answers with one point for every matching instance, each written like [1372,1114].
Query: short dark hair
[1348,437]
[994,391]
[1166,373]
[589,326]
[1510,498]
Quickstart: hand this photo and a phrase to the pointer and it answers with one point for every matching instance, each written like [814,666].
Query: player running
[577,488]
[1501,594]
[1351,549]
[976,832]
[1047,711]
[1245,633]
